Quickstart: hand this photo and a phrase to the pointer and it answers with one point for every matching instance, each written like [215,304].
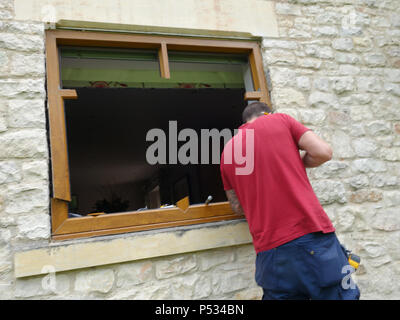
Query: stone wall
[24,181]
[335,66]
[225,273]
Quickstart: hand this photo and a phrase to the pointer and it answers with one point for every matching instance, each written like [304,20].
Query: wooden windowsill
[85,253]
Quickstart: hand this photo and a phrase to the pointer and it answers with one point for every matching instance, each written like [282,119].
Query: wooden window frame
[89,226]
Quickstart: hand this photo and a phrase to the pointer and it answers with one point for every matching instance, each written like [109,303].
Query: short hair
[255,109]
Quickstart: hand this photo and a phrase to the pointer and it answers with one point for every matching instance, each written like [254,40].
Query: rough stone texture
[24,180]
[335,67]
[94,280]
[169,268]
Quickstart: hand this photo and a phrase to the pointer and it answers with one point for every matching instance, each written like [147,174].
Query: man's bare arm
[317,150]
[234,201]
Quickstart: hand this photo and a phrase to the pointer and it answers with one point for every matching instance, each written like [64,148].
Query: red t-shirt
[277,198]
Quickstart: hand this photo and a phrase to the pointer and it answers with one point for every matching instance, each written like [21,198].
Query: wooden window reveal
[89,226]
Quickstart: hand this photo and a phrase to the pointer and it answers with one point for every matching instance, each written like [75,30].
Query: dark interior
[106,132]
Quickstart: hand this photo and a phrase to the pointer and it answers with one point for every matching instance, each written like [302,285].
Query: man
[298,254]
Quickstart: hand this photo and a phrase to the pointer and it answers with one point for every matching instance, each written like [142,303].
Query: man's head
[254,110]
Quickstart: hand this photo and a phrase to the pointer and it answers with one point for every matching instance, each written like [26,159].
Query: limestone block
[249,294]
[348,69]
[4,63]
[343,44]
[328,31]
[94,280]
[47,286]
[161,291]
[202,288]
[374,59]
[172,267]
[130,274]
[182,287]
[339,118]
[359,181]
[281,44]
[341,145]
[23,27]
[364,147]
[281,77]
[366,195]
[10,171]
[330,169]
[20,42]
[357,130]
[361,112]
[369,84]
[392,198]
[26,198]
[31,288]
[392,75]
[343,84]
[27,113]
[392,88]
[372,249]
[349,58]
[326,17]
[246,254]
[345,219]
[378,127]
[387,107]
[381,22]
[7,222]
[6,14]
[387,220]
[395,20]
[22,88]
[369,165]
[356,99]
[27,143]
[318,99]
[329,191]
[380,261]
[391,154]
[230,281]
[287,9]
[5,258]
[34,226]
[34,171]
[288,97]
[3,115]
[322,52]
[303,83]
[279,57]
[27,64]
[322,84]
[384,180]
[309,63]
[210,259]
[391,243]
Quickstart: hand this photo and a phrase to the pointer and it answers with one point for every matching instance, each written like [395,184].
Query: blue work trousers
[314,266]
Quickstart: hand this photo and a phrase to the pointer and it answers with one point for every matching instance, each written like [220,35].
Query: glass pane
[108,68]
[207,70]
